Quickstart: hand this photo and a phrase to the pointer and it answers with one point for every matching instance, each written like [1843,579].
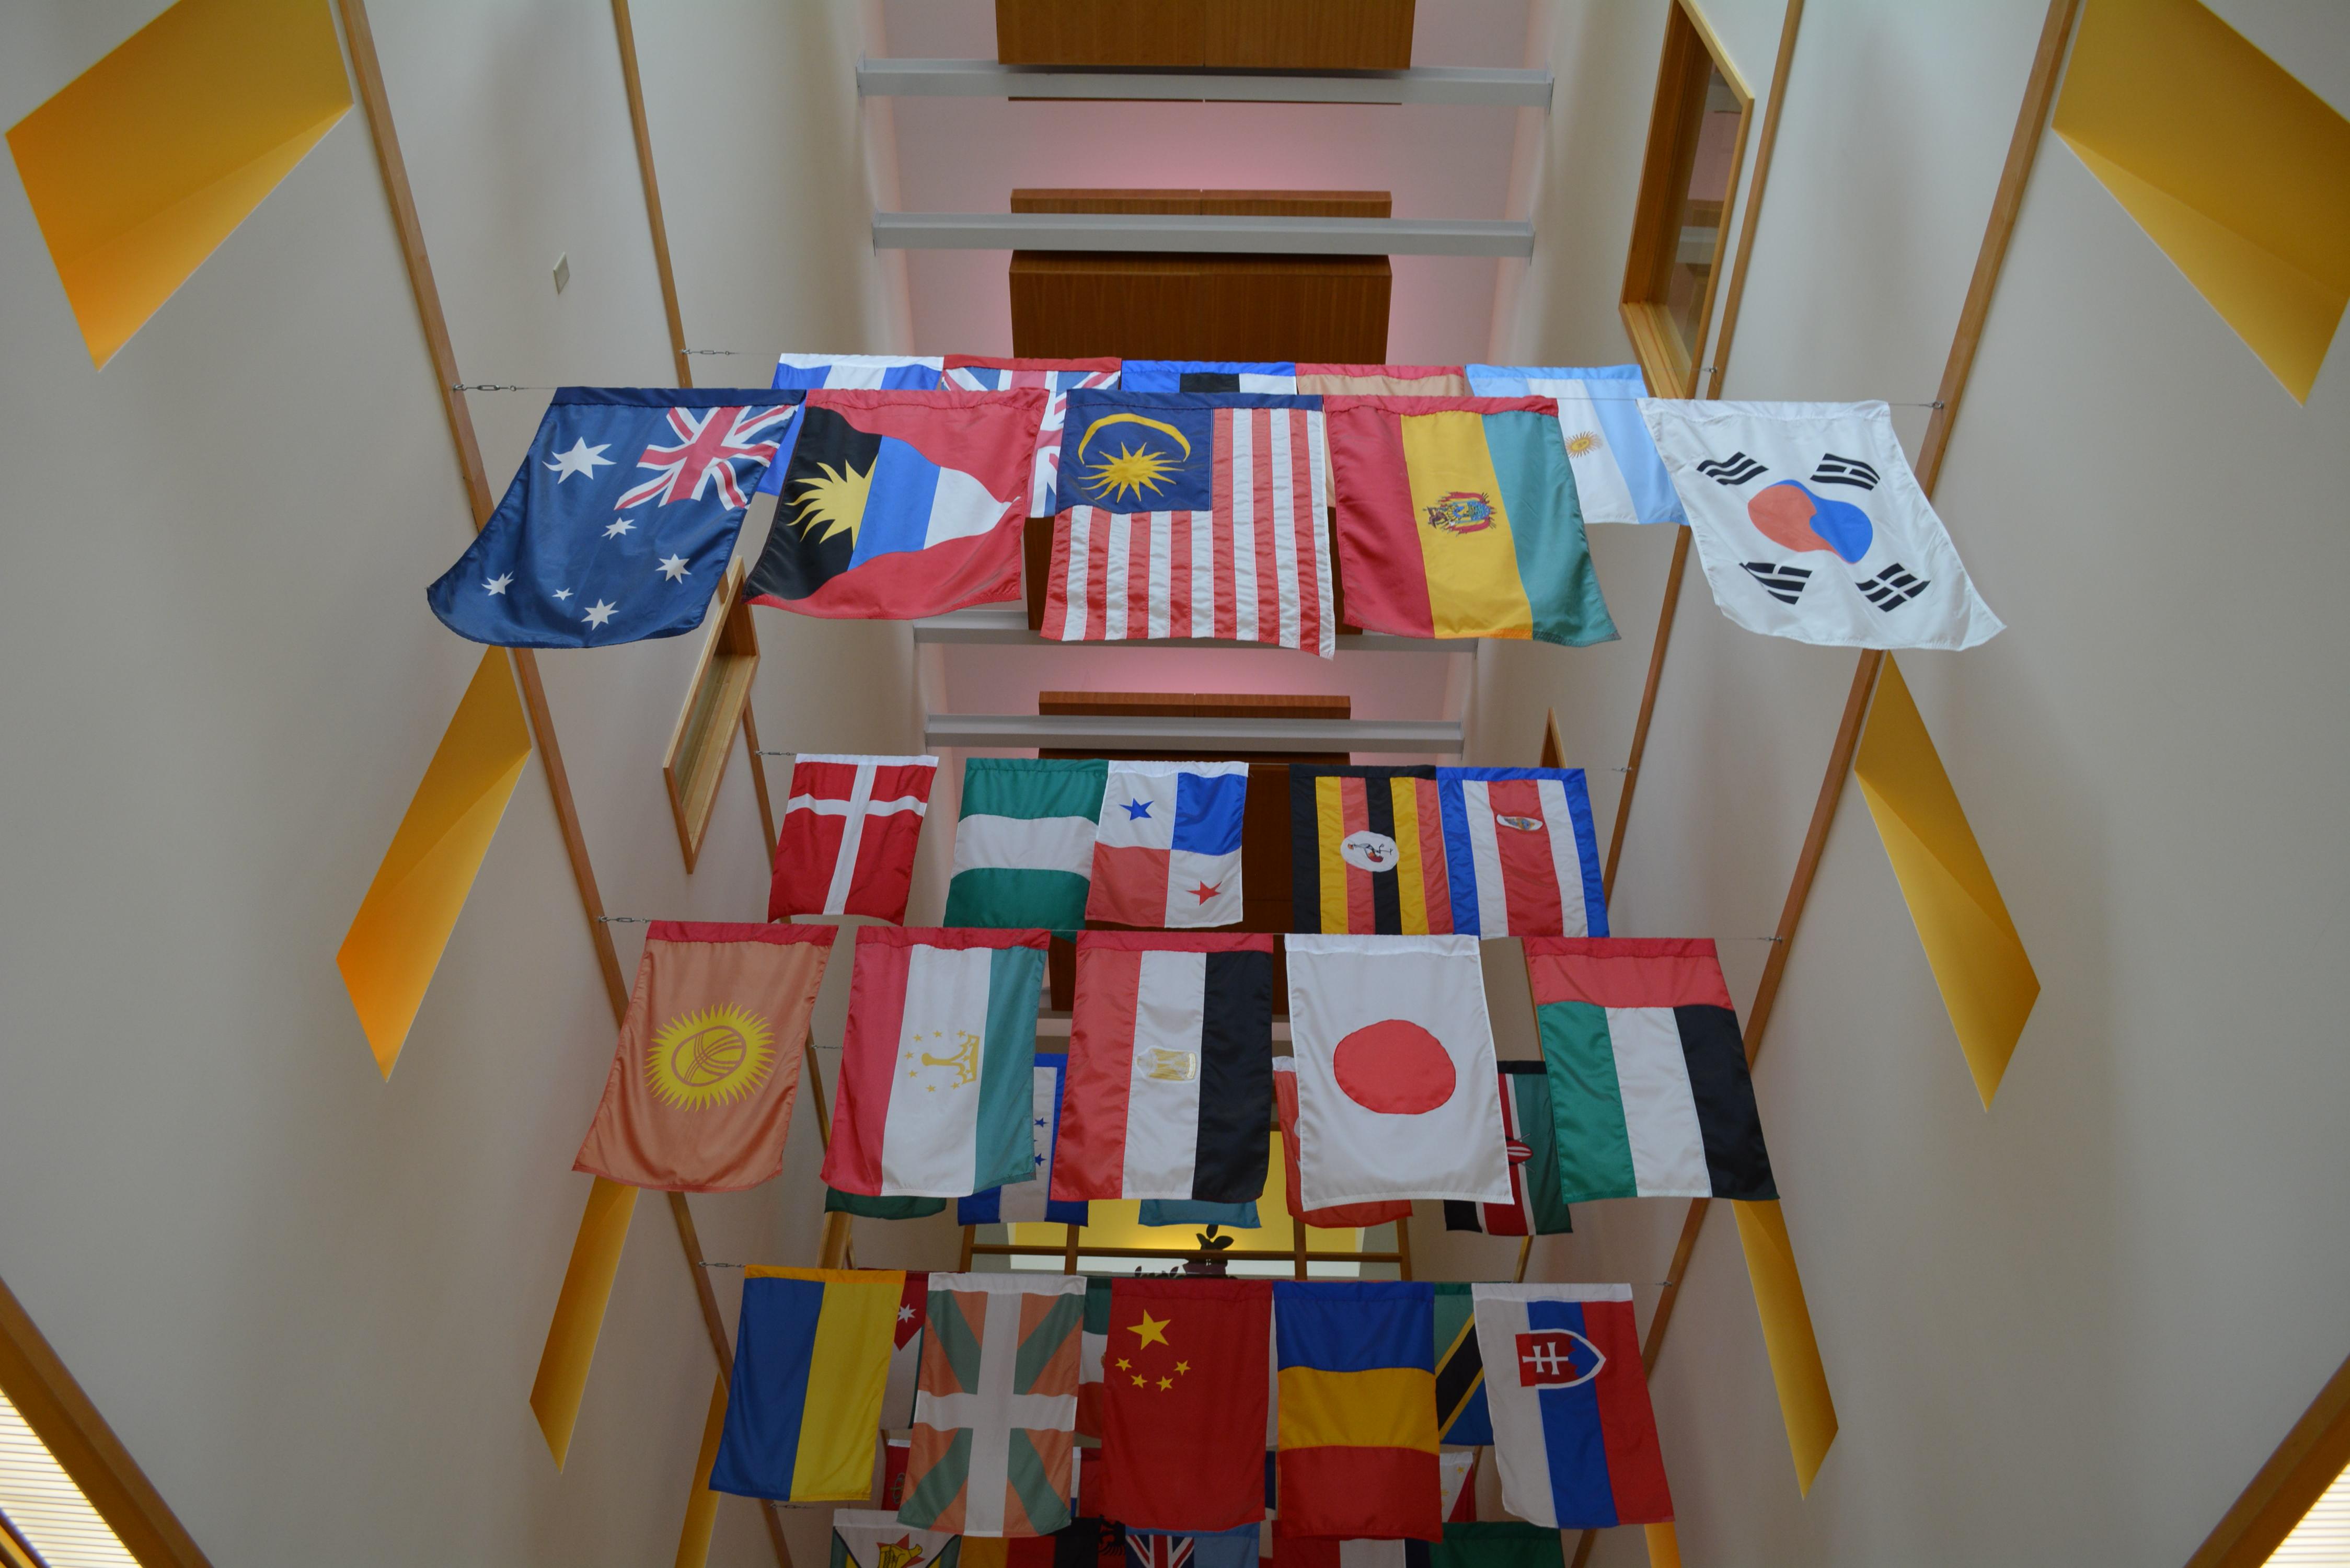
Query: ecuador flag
[1458,517]
[1357,1409]
[811,1360]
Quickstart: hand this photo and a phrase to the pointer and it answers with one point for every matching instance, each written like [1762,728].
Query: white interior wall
[2068,1329]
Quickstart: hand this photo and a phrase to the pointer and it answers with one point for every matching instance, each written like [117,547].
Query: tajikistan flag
[937,1070]
[1023,850]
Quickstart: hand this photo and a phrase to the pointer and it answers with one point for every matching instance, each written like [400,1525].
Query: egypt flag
[1538,1210]
[1029,1199]
[1519,852]
[994,1440]
[896,505]
[1367,851]
[1648,1086]
[1058,378]
[937,1070]
[1457,518]
[1167,852]
[851,824]
[1572,1432]
[1394,1071]
[871,1538]
[700,1096]
[1189,516]
[1170,1068]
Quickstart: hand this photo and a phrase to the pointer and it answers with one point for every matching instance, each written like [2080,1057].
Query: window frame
[1672,149]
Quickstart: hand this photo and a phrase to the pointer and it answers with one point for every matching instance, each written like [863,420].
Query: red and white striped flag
[983,373]
[849,832]
[1255,568]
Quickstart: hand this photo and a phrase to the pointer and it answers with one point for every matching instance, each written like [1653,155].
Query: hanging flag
[1235,1548]
[811,1358]
[1367,851]
[1023,853]
[838,1202]
[699,1097]
[937,1067]
[1394,1071]
[1171,1079]
[1058,378]
[1519,852]
[837,372]
[1383,380]
[906,1350]
[1091,1344]
[1357,1409]
[896,505]
[1811,527]
[894,1452]
[637,547]
[850,828]
[1208,376]
[1167,853]
[1572,1432]
[1182,1405]
[872,1537]
[1461,1415]
[993,1423]
[1526,1121]
[1192,515]
[1342,1217]
[1459,1466]
[1167,1211]
[1618,477]
[1648,1087]
[1029,1199]
[1495,1544]
[1458,518]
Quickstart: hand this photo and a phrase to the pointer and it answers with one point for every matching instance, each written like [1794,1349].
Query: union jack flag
[709,443]
[979,374]
[1146,1551]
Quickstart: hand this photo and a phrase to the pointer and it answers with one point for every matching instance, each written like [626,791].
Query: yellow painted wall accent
[562,1379]
[138,168]
[700,1502]
[1986,977]
[1804,1403]
[1664,1545]
[402,926]
[2237,171]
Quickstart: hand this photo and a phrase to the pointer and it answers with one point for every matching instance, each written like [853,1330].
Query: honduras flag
[851,371]
[1028,1199]
[900,504]
[620,521]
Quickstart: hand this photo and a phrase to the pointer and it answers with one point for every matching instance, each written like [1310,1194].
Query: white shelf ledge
[1109,735]
[1476,86]
[1255,233]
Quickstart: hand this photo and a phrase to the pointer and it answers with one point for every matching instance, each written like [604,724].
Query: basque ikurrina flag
[1618,477]
[1168,854]
[700,1096]
[811,1360]
[1031,1199]
[1519,852]
[1367,851]
[1058,378]
[995,1438]
[1024,852]
[1572,1431]
[851,824]
[1458,517]
[1357,1409]
[937,1070]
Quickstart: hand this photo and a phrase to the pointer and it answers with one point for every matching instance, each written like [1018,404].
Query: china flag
[1183,1403]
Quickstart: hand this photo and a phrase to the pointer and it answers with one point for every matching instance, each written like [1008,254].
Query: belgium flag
[1367,846]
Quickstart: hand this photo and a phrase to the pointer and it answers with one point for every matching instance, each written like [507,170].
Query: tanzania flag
[1024,852]
[993,1420]
[811,1359]
[1357,1409]
[1537,1208]
[1649,1092]
[1459,519]
[1367,851]
[1460,1416]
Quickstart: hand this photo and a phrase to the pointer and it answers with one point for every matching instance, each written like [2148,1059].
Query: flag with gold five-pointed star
[1184,1392]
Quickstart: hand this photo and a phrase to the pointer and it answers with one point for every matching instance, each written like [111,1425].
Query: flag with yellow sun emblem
[898,504]
[700,1096]
[1184,1394]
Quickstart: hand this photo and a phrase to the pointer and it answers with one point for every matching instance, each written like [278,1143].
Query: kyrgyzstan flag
[700,1096]
[1170,1068]
[850,828]
[1183,1403]
[1168,851]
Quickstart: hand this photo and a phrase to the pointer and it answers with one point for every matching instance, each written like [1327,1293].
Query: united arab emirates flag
[1025,845]
[1648,1087]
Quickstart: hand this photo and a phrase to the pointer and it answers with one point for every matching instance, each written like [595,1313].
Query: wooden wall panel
[1100,32]
[1285,35]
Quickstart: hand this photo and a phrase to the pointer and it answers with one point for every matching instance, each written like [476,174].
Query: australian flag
[621,520]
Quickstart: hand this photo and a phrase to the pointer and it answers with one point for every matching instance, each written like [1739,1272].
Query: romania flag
[1458,517]
[811,1360]
[1357,1409]
[1366,852]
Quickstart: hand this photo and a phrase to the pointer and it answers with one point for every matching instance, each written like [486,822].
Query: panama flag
[1618,477]
[936,1071]
[995,1438]
[865,371]
[1170,1074]
[872,1537]
[1572,1432]
[1028,1199]
[1058,378]
[850,828]
[1394,1071]
[1519,852]
[1168,854]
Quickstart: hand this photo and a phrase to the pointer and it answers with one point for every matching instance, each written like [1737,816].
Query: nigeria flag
[1025,846]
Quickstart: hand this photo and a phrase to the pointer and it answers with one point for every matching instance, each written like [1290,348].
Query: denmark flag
[850,834]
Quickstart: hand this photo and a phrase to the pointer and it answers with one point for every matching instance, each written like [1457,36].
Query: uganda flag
[1366,852]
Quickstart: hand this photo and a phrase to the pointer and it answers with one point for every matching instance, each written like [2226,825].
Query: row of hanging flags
[1188,500]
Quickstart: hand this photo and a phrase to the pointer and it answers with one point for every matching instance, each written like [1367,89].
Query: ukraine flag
[811,1359]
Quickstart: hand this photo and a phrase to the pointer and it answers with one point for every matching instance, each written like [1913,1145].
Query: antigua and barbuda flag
[937,1070]
[811,1360]
[620,521]
[1540,1210]
[872,1537]
[851,372]
[897,506]
[1520,854]
[1031,1199]
[995,1418]
[851,825]
[1167,855]
[1572,1431]
[1208,376]
[1618,477]
[1058,378]
[1811,525]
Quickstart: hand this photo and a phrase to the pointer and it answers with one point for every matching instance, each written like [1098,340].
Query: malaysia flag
[1168,851]
[850,829]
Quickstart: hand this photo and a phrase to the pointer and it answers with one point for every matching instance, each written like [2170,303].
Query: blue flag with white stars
[620,521]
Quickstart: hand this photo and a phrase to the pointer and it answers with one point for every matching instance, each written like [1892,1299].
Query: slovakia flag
[1168,854]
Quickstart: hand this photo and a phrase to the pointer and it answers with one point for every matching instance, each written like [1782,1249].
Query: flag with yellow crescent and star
[1184,1389]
